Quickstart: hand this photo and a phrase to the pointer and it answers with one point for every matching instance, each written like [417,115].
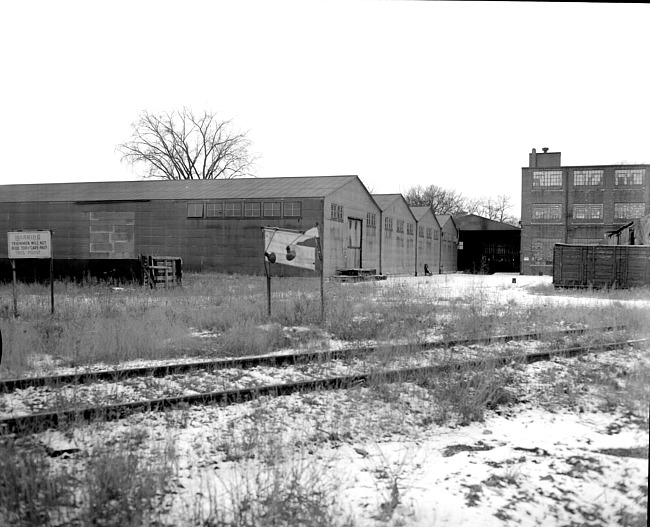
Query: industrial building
[427,248]
[448,243]
[104,228]
[397,235]
[210,224]
[487,246]
[575,205]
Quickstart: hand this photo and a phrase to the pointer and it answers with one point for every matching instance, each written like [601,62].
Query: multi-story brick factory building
[575,205]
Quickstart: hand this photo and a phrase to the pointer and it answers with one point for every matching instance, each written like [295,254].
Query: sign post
[30,244]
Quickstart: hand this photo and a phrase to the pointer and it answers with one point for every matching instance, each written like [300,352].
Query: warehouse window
[272,209]
[429,233]
[336,212]
[409,229]
[587,177]
[195,210]
[629,177]
[252,210]
[542,251]
[546,212]
[371,220]
[587,211]
[214,210]
[629,211]
[388,224]
[292,209]
[233,210]
[420,231]
[436,235]
[547,178]
[400,226]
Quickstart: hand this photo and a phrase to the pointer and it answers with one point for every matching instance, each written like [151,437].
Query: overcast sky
[401,93]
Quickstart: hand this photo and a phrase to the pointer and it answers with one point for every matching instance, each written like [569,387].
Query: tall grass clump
[465,393]
[32,492]
[290,493]
[117,483]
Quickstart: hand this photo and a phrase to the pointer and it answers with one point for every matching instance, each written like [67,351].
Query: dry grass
[125,479]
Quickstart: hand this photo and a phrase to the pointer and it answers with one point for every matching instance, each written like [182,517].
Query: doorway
[355,237]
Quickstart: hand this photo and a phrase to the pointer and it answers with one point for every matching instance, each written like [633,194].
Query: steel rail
[10,385]
[34,423]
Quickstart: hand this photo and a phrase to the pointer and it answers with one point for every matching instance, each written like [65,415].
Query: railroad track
[10,385]
[29,424]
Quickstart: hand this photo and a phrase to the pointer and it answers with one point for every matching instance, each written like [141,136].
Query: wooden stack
[161,271]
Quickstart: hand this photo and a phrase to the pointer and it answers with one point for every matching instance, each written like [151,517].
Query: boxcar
[620,266]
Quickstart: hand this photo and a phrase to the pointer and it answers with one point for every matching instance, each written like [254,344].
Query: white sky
[400,93]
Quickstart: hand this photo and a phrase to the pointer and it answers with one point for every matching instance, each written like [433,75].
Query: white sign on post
[29,244]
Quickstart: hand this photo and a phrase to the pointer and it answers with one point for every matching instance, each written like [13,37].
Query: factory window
[547,178]
[292,209]
[542,251]
[629,211]
[429,233]
[388,224]
[252,210]
[587,177]
[420,232]
[400,226]
[409,229]
[436,235]
[195,210]
[587,211]
[336,212]
[371,220]
[629,177]
[547,212]
[233,210]
[272,209]
[214,210]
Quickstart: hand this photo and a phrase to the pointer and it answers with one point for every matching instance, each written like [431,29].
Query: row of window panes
[587,177]
[409,229]
[629,177]
[622,177]
[629,211]
[388,224]
[336,212]
[400,226]
[547,178]
[249,209]
[371,220]
[587,211]
[547,211]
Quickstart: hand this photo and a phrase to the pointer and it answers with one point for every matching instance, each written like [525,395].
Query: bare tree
[182,145]
[440,200]
[496,209]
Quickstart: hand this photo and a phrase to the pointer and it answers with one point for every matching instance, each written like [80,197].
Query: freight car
[619,266]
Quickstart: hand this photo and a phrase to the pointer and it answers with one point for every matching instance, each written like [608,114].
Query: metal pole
[13,269]
[322,276]
[268,285]
[52,282]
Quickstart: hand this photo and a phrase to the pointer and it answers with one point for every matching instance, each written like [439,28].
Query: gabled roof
[420,212]
[248,188]
[444,218]
[474,222]
[386,200]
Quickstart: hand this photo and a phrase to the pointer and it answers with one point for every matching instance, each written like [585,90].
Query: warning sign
[29,244]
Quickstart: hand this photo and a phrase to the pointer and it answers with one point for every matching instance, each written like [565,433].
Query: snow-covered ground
[568,446]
